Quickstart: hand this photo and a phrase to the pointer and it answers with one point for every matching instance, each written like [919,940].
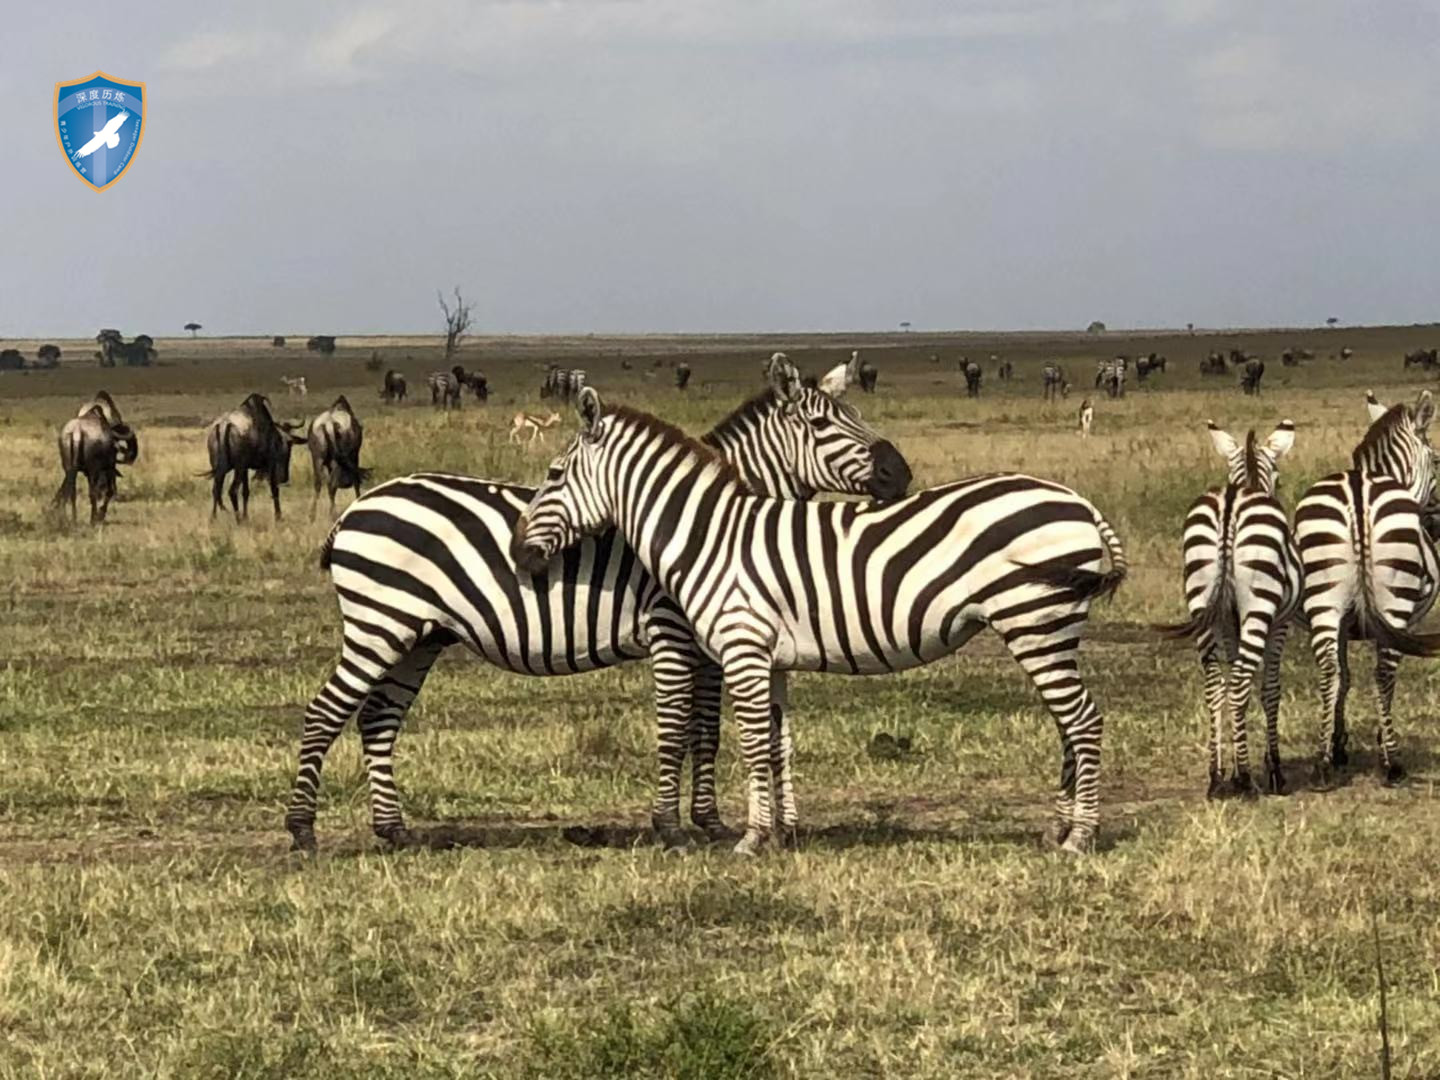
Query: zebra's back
[434,548]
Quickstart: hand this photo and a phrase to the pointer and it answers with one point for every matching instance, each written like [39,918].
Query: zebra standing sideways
[1242,586]
[855,589]
[421,563]
[1370,570]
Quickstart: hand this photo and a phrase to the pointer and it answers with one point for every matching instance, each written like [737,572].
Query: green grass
[152,680]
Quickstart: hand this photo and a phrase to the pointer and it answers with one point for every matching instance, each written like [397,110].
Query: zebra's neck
[750,440]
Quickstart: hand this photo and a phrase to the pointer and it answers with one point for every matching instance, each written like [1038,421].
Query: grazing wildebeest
[973,375]
[1145,366]
[91,444]
[625,365]
[295,386]
[48,356]
[1054,383]
[682,376]
[1250,381]
[528,427]
[335,438]
[12,360]
[1214,364]
[866,375]
[1346,353]
[321,343]
[478,384]
[1426,359]
[394,388]
[278,341]
[245,440]
[1006,371]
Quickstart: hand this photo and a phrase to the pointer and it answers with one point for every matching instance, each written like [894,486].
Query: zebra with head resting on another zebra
[422,562]
[1243,582]
[1371,572]
[777,586]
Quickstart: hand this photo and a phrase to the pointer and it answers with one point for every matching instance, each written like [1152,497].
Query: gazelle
[527,427]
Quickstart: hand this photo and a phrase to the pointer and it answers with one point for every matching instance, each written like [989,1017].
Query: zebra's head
[1255,464]
[573,501]
[1398,444]
[799,439]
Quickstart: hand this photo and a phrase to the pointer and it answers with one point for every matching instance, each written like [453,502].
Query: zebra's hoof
[1244,786]
[716,831]
[750,843]
[396,836]
[1057,833]
[1216,790]
[674,841]
[303,840]
[1275,780]
[1322,776]
[1394,774]
[1079,842]
[787,837]
[1340,754]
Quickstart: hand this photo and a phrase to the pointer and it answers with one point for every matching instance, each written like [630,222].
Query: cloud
[209,50]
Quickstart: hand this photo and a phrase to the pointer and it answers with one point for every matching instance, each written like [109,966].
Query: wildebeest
[321,343]
[1295,356]
[867,375]
[114,348]
[478,384]
[295,386]
[12,360]
[1006,371]
[1426,359]
[91,444]
[1145,366]
[278,341]
[48,356]
[1346,353]
[682,375]
[394,388]
[1213,364]
[106,404]
[335,438]
[973,375]
[1054,383]
[1250,380]
[246,440]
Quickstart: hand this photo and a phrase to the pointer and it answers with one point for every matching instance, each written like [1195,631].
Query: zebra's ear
[589,408]
[1225,444]
[1281,439]
[1373,406]
[784,378]
[1424,410]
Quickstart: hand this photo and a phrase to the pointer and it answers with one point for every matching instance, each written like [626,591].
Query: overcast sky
[630,165]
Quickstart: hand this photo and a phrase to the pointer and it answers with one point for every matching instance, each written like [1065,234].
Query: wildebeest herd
[911,577]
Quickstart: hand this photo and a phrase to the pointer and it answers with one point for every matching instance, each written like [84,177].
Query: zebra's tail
[1089,584]
[327,549]
[1220,605]
[1402,641]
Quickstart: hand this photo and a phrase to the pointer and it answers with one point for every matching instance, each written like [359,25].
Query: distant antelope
[296,386]
[1087,418]
[527,427]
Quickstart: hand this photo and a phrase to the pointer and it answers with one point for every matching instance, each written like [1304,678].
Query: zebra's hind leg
[747,677]
[1047,645]
[1214,673]
[1386,663]
[1328,646]
[1250,652]
[380,718]
[1270,701]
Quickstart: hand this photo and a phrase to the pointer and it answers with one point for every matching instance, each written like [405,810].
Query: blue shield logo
[99,121]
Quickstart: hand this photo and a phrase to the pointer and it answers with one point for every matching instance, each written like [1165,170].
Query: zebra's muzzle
[890,476]
[529,558]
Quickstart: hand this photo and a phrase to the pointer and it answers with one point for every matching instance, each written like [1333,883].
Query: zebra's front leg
[380,718]
[1387,661]
[1270,701]
[704,746]
[781,749]
[747,677]
[673,666]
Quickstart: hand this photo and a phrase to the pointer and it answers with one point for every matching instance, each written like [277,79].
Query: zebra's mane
[754,409]
[670,435]
[1252,463]
[1380,432]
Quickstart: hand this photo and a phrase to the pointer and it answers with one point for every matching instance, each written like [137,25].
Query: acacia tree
[193,327]
[457,321]
[1331,321]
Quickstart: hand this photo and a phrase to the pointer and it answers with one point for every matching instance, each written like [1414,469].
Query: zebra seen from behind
[773,586]
[1243,582]
[1055,385]
[563,383]
[422,563]
[1371,572]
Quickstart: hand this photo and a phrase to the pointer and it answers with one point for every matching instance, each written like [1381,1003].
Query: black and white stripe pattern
[1370,569]
[563,383]
[422,562]
[776,586]
[1242,586]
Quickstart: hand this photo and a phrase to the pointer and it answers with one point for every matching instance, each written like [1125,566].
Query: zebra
[773,586]
[1371,571]
[563,383]
[1055,385]
[1110,375]
[1243,581]
[444,389]
[421,563]
[1250,380]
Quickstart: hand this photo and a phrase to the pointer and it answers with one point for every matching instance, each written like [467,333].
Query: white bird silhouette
[107,135]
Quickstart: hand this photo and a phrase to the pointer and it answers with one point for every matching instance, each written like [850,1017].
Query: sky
[729,165]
